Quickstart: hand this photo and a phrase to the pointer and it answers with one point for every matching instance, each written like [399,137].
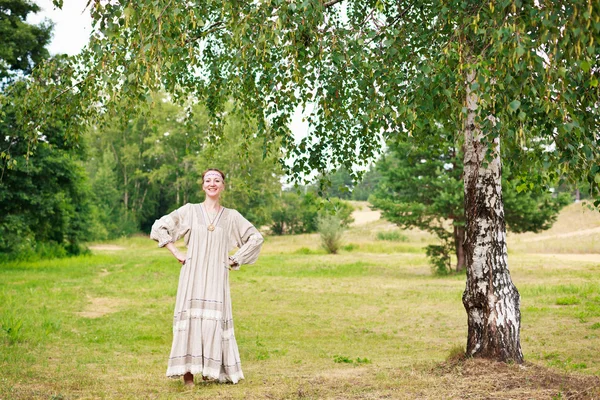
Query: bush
[339,208]
[439,258]
[331,230]
[287,218]
[298,213]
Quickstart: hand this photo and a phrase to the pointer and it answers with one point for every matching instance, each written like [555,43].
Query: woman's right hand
[175,251]
[180,257]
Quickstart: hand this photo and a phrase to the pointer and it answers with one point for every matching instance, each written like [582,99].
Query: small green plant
[11,325]
[567,301]
[331,230]
[347,360]
[350,247]
[392,236]
[303,250]
[51,326]
[595,326]
[342,359]
[439,258]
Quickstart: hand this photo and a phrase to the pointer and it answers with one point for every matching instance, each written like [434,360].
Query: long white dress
[203,336]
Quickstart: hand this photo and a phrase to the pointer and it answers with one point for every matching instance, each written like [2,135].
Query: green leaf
[520,51]
[585,66]
[514,105]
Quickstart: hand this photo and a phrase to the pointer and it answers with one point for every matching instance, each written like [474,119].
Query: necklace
[211,224]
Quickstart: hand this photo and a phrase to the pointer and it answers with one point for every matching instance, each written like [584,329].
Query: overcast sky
[72,25]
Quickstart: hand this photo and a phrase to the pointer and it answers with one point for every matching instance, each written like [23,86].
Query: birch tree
[516,76]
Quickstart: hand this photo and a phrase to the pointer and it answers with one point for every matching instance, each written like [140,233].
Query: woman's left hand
[232,263]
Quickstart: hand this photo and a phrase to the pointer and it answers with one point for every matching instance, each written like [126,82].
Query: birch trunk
[490,298]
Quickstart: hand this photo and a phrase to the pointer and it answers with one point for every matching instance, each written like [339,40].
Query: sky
[72,25]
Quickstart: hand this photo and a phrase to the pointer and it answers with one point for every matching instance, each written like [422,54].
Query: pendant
[211,227]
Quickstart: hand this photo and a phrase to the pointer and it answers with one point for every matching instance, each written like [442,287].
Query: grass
[392,236]
[370,322]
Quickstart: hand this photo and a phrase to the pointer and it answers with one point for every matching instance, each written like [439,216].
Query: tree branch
[214,27]
[330,3]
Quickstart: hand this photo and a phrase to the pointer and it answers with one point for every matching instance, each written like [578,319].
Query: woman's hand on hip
[175,251]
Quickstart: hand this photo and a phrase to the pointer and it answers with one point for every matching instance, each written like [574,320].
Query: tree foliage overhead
[340,184]
[367,71]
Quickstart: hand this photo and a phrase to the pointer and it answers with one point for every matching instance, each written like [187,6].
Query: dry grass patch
[577,230]
[99,306]
[482,379]
[106,247]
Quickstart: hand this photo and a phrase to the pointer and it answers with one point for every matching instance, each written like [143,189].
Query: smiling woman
[203,336]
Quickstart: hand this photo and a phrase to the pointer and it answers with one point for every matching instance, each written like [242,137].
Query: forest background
[121,175]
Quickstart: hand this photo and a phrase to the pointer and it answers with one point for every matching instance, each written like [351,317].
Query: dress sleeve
[171,227]
[247,238]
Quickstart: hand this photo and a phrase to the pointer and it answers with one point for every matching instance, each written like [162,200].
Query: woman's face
[213,184]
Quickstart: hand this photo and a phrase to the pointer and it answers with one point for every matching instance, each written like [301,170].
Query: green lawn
[371,322]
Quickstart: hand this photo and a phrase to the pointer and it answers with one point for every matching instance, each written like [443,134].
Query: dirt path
[362,214]
[106,247]
[582,232]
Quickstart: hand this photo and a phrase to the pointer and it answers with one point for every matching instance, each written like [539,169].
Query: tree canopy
[367,71]
[44,197]
[23,45]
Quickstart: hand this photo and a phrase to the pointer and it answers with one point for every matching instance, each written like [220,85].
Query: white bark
[490,298]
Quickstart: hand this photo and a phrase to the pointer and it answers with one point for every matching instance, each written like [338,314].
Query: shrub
[331,230]
[300,213]
[339,208]
[439,258]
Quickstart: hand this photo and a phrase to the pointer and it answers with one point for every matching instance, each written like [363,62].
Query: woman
[203,339]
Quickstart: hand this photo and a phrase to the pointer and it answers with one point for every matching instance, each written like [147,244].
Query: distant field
[576,231]
[369,323]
